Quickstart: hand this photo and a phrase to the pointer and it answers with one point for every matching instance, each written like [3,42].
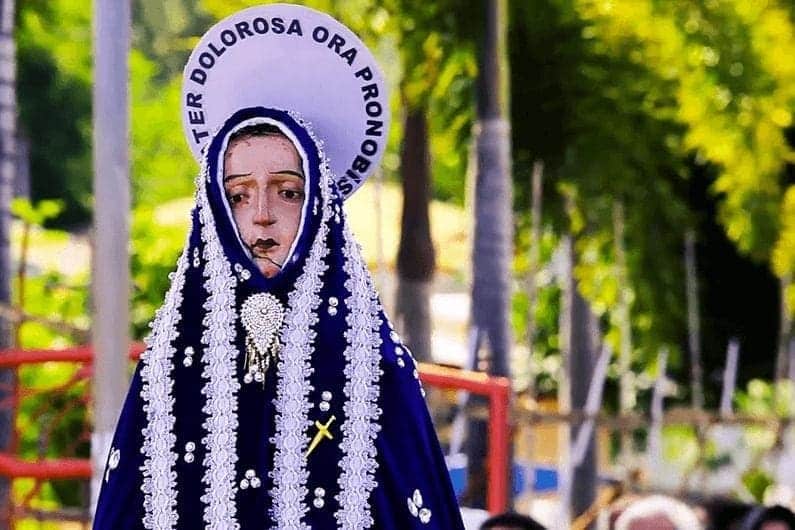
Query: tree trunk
[626,381]
[693,322]
[110,280]
[493,243]
[786,337]
[416,255]
[537,185]
[8,162]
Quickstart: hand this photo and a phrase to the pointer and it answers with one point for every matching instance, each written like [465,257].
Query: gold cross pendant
[322,432]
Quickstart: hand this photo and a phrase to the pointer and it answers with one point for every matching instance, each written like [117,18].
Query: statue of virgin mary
[274,393]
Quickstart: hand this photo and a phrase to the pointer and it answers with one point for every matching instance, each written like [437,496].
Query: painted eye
[292,195]
[236,198]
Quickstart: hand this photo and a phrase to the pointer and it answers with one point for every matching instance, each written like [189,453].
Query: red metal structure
[42,469]
[72,397]
[498,392]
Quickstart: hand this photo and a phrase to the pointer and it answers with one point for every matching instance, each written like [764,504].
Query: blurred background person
[511,521]
[769,518]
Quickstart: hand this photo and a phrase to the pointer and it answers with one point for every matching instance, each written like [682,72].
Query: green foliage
[162,165]
[783,257]
[438,70]
[54,93]
[451,116]
[52,418]
[680,446]
[48,294]
[24,210]
[545,362]
[765,399]
[734,85]
[163,31]
[757,482]
[158,236]
[629,101]
[54,41]
[603,125]
[58,297]
[53,423]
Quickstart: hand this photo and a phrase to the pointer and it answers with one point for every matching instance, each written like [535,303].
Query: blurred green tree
[55,109]
[637,102]
[54,84]
[164,31]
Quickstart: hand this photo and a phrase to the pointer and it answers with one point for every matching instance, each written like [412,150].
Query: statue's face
[264,184]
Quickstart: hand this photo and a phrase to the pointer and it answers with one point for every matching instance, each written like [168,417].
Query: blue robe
[197,446]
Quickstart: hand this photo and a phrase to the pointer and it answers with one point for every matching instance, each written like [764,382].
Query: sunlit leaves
[162,166]
[37,214]
[784,253]
[63,28]
[54,99]
[731,61]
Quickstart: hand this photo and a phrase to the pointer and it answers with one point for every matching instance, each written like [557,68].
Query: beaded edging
[362,389]
[159,477]
[219,371]
[292,403]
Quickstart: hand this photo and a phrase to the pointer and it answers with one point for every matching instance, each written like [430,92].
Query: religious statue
[274,392]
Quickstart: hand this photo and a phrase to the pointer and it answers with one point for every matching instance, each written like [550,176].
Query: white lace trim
[221,384]
[362,389]
[159,477]
[290,473]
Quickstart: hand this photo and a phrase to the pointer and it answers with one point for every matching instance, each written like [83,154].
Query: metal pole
[110,260]
[566,280]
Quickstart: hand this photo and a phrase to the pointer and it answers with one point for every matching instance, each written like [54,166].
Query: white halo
[292,58]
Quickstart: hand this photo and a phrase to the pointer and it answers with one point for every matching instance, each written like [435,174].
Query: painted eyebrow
[230,177]
[288,172]
[282,172]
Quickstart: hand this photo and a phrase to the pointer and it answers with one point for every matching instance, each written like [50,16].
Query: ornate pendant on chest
[262,316]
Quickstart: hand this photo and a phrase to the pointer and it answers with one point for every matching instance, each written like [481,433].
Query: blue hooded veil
[198,445]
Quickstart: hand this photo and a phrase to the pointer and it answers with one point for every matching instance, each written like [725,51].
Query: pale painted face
[264,184]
